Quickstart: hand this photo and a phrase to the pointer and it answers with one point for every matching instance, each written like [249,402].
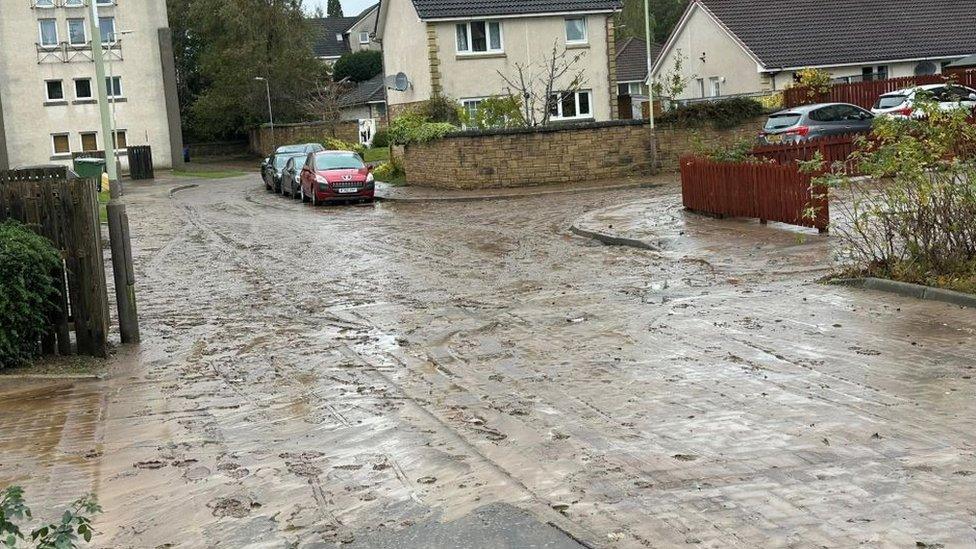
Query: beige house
[458,49]
[336,36]
[732,47]
[48,98]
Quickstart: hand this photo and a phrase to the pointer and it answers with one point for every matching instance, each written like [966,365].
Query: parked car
[290,175]
[901,103]
[268,164]
[811,121]
[275,173]
[333,176]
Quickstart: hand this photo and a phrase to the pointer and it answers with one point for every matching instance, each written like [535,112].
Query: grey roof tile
[435,9]
[324,32]
[632,59]
[365,92]
[799,33]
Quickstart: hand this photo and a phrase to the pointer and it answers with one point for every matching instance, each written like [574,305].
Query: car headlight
[369,177]
[322,180]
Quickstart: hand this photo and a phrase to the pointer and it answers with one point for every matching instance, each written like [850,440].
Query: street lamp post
[267,88]
[648,38]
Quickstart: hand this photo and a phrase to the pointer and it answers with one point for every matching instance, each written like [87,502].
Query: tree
[318,12]
[335,8]
[236,41]
[186,53]
[358,66]
[540,88]
[664,16]
[322,103]
[674,82]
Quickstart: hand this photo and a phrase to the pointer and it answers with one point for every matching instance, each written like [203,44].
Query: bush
[737,152]
[30,269]
[334,144]
[389,171]
[414,127]
[440,108]
[495,112]
[381,138]
[914,219]
[724,114]
[816,81]
[358,66]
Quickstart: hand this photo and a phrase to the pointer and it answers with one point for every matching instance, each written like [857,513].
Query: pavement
[472,374]
[385,191]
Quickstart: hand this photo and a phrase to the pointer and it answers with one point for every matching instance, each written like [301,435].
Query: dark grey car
[290,175]
[813,121]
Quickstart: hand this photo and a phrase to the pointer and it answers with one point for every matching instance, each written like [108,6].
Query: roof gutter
[859,63]
[516,15]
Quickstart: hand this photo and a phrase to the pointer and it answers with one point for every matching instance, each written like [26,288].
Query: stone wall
[516,158]
[260,141]
[601,151]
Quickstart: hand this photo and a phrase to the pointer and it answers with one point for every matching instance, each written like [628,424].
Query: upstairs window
[107,27]
[83,88]
[43,3]
[576,30]
[48,32]
[76,32]
[364,37]
[479,37]
[113,86]
[55,90]
[74,3]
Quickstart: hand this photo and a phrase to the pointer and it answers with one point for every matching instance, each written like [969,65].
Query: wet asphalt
[475,375]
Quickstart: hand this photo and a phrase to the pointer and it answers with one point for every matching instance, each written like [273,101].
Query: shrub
[816,81]
[30,268]
[334,144]
[914,219]
[414,127]
[440,108]
[738,151]
[72,526]
[723,114]
[391,170]
[358,66]
[495,112]
[381,138]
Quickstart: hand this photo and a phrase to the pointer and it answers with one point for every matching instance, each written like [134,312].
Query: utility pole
[267,88]
[118,221]
[648,38]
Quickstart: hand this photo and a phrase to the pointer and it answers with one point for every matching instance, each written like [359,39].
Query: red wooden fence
[837,148]
[865,94]
[767,191]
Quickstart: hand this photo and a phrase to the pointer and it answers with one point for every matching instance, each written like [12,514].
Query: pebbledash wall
[260,139]
[595,151]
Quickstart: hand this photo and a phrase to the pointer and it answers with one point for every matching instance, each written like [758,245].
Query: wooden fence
[865,94]
[66,213]
[833,149]
[763,190]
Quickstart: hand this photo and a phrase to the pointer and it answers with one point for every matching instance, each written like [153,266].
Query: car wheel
[315,201]
[302,191]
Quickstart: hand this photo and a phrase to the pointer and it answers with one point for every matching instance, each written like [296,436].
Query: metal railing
[66,52]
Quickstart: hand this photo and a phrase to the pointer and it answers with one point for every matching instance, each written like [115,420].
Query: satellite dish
[398,82]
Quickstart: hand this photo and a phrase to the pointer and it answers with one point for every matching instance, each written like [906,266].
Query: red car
[334,176]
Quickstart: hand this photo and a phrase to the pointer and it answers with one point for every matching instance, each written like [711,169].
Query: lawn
[377,154]
[208,173]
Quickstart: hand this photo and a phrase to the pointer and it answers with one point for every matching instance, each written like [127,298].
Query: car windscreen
[283,159]
[782,120]
[338,161]
[890,101]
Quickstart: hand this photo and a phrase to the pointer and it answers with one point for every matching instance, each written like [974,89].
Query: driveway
[473,374]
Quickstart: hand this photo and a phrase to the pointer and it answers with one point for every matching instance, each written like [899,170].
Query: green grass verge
[377,154]
[209,174]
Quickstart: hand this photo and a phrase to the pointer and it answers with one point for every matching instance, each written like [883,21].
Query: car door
[966,96]
[308,177]
[854,119]
[827,121]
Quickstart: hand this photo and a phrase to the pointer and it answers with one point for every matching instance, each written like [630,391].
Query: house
[335,36]
[632,90]
[966,64]
[732,47]
[461,49]
[366,100]
[48,98]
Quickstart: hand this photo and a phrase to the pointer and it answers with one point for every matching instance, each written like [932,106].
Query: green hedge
[724,114]
[415,127]
[30,267]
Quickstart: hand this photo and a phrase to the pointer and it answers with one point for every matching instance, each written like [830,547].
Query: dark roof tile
[632,59]
[324,32]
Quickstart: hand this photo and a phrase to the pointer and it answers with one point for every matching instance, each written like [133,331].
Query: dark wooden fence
[833,149]
[764,190]
[865,94]
[65,212]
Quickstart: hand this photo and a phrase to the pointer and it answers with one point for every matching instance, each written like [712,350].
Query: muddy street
[436,374]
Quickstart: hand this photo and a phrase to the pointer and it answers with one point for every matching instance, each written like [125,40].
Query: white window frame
[91,90]
[576,97]
[40,32]
[48,5]
[110,88]
[714,86]
[339,37]
[81,136]
[470,43]
[115,140]
[586,37]
[105,2]
[47,90]
[74,3]
[361,35]
[111,37]
[84,32]
[54,150]
[464,103]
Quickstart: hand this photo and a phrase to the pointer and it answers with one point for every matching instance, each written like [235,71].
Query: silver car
[813,121]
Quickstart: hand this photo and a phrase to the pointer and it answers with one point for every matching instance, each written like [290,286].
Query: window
[107,26]
[120,140]
[632,88]
[338,37]
[576,30]
[105,2]
[364,37]
[74,3]
[479,37]
[76,32]
[55,90]
[566,105]
[83,88]
[701,87]
[379,110]
[60,143]
[89,141]
[715,86]
[44,3]
[470,107]
[113,86]
[869,74]
[48,29]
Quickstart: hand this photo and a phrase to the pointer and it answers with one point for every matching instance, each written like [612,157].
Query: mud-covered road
[364,375]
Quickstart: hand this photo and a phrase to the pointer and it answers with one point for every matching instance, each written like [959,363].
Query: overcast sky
[349,7]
